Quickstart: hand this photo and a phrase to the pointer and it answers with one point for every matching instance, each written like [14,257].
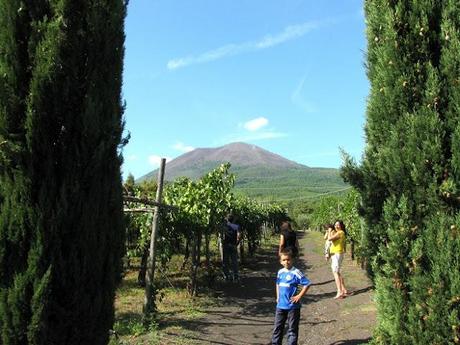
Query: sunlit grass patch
[174,306]
[317,238]
[177,303]
[349,306]
[129,294]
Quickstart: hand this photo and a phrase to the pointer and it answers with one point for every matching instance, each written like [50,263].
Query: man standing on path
[231,237]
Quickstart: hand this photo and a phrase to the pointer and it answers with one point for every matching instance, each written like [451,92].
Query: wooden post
[149,302]
[352,249]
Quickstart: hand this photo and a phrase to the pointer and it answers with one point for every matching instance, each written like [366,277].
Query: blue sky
[285,75]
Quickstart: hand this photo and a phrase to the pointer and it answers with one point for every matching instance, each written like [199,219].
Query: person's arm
[296,298]
[326,234]
[238,236]
[277,293]
[336,236]
[281,244]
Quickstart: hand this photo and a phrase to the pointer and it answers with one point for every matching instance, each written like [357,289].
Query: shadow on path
[323,283]
[245,310]
[363,290]
[351,342]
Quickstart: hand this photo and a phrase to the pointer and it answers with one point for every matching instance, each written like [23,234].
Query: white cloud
[252,130]
[298,100]
[155,160]
[289,33]
[227,50]
[179,146]
[255,124]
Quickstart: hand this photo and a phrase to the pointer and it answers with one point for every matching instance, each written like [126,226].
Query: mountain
[259,173]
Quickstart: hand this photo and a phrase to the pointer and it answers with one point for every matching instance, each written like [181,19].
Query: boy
[287,301]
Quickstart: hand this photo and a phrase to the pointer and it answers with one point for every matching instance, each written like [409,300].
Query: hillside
[259,173]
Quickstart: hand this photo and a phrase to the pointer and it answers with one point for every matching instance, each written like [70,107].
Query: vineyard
[190,226]
[195,218]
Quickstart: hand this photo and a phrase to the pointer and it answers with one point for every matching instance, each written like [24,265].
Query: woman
[288,238]
[337,251]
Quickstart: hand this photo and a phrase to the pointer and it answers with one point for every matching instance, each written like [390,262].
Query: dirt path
[245,313]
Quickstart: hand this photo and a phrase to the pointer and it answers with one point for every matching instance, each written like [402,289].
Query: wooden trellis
[144,201]
[149,302]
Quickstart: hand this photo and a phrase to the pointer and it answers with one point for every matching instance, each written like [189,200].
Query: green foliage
[299,212]
[201,204]
[279,184]
[61,220]
[199,210]
[199,207]
[437,306]
[408,180]
[251,215]
[345,207]
[134,327]
[139,224]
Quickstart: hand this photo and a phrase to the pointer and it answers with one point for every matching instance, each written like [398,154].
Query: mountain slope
[259,173]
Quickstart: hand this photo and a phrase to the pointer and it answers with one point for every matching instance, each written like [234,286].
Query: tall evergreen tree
[60,183]
[409,179]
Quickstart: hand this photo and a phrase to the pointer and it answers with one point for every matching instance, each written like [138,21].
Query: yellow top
[338,245]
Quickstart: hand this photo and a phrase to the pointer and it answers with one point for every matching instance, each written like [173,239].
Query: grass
[318,239]
[350,307]
[175,307]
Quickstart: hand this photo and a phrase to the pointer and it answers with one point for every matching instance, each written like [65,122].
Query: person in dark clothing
[231,237]
[288,239]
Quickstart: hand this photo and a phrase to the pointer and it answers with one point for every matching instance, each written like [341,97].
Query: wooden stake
[149,301]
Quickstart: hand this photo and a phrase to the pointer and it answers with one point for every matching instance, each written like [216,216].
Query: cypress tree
[60,186]
[409,177]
